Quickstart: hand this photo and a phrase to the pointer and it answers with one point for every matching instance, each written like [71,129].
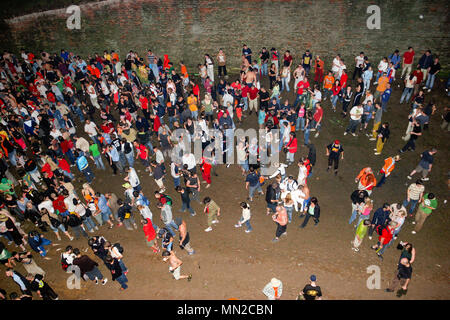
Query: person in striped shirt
[413,195]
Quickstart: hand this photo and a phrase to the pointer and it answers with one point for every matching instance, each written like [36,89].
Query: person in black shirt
[116,272]
[185,200]
[271,197]
[97,244]
[333,151]
[402,278]
[311,291]
[37,284]
[415,133]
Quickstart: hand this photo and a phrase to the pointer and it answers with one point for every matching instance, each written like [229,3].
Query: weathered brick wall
[189,28]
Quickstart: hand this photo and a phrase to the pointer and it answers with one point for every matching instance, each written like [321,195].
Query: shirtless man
[250,78]
[175,265]
[184,236]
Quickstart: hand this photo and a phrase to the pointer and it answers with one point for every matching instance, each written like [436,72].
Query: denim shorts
[272,206]
[60,227]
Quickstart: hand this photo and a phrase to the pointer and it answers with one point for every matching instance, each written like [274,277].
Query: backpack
[168,199]
[380,229]
[64,264]
[119,247]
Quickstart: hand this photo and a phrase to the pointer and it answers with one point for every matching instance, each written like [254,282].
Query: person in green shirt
[426,207]
[96,156]
[361,232]
[7,187]
[212,210]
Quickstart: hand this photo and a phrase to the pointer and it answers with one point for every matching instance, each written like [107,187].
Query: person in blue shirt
[247,52]
[396,59]
[106,213]
[83,166]
[252,183]
[380,218]
[37,242]
[385,97]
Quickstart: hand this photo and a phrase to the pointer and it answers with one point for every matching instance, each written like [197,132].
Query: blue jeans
[385,247]
[407,92]
[99,163]
[284,84]
[264,69]
[353,217]
[68,174]
[95,139]
[187,206]
[306,136]
[77,110]
[88,174]
[44,242]
[171,225]
[12,157]
[244,165]
[248,225]
[106,214]
[150,147]
[413,205]
[289,211]
[122,265]
[251,190]
[176,182]
[90,225]
[245,100]
[352,125]
[130,159]
[430,81]
[122,280]
[94,273]
[70,155]
[381,181]
[300,124]
[334,100]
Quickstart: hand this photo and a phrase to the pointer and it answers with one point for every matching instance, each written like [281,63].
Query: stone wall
[187,29]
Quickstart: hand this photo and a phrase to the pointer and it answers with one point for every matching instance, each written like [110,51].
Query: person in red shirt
[407,61]
[253,94]
[150,233]
[65,167]
[143,154]
[336,90]
[291,147]
[302,87]
[317,117]
[385,239]
[206,172]
[66,148]
[318,69]
[343,79]
[287,58]
[58,204]
[156,123]
[419,75]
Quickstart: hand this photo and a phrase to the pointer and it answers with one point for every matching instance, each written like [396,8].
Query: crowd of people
[64,116]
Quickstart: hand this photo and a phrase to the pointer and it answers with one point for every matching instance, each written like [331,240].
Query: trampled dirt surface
[230,263]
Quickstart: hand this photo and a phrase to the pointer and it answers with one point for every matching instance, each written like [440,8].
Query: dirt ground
[230,263]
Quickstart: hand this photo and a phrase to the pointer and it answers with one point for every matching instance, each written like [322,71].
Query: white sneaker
[208,229]
[375,149]
[237,225]
[409,177]
[413,222]
[353,134]
[316,135]
[345,133]
[248,231]
[413,232]
[372,139]
[370,237]
[425,179]
[104,281]
[215,221]
[429,90]
[377,153]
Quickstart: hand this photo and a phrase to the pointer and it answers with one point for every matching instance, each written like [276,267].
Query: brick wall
[187,29]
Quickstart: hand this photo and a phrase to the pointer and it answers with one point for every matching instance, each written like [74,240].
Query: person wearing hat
[273,289]
[333,151]
[184,236]
[311,291]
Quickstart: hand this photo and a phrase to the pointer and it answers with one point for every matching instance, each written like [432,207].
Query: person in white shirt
[302,171]
[227,98]
[91,129]
[245,218]
[359,64]
[133,179]
[189,160]
[355,119]
[281,170]
[382,67]
[273,289]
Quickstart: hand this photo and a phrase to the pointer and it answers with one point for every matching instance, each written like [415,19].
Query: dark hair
[178,188]
[70,247]
[120,202]
[314,200]
[419,182]
[385,205]
[13,296]
[76,251]
[431,195]
[244,205]
[206,200]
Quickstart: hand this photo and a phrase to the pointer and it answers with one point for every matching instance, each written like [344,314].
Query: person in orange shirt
[192,102]
[382,84]
[114,55]
[389,165]
[328,84]
[94,71]
[318,69]
[366,179]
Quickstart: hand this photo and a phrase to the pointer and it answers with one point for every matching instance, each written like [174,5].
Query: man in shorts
[425,164]
[175,265]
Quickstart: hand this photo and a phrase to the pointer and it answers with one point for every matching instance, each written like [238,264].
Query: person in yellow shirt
[327,84]
[193,105]
[382,84]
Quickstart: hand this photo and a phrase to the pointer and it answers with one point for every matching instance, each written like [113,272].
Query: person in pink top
[281,219]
